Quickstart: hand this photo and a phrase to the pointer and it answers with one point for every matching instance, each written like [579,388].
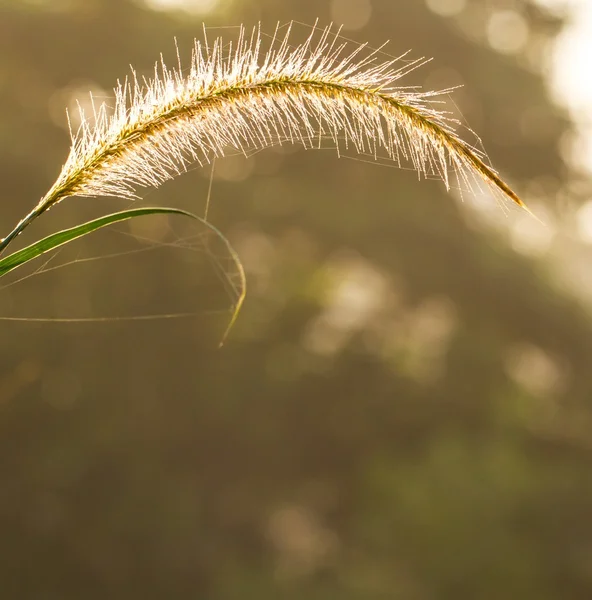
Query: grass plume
[240,97]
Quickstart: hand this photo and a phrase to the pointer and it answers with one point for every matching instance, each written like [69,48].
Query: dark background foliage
[402,410]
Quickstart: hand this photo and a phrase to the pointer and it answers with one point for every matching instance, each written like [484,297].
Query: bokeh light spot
[196,7]
[446,8]
[507,31]
[535,370]
[352,14]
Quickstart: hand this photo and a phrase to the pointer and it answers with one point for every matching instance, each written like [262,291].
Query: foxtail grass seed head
[239,97]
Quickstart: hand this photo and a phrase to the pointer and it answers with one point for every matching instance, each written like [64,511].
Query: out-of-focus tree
[402,410]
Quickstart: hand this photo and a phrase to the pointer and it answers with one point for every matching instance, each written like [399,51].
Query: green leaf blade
[55,240]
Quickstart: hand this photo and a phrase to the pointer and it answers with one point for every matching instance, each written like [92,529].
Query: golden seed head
[242,98]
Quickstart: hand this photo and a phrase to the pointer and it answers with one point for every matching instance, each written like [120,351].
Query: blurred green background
[403,408]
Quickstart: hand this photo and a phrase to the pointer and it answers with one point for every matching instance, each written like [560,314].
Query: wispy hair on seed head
[241,97]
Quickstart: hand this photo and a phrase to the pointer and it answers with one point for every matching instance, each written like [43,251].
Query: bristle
[239,99]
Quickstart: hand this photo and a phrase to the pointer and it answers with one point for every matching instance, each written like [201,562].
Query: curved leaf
[55,240]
